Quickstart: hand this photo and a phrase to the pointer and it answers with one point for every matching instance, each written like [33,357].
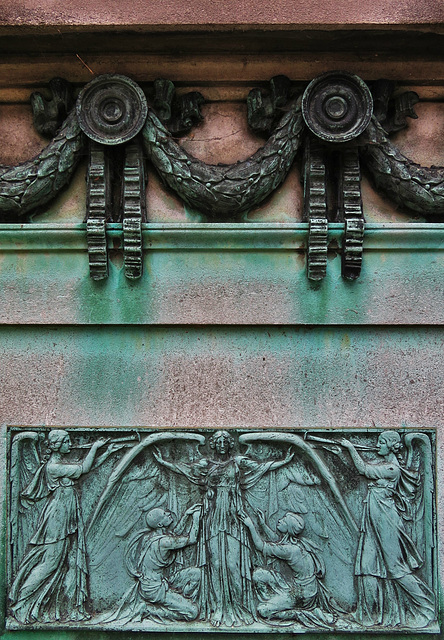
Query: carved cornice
[338,116]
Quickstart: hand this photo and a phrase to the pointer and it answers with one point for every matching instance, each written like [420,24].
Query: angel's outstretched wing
[130,456]
[136,485]
[417,486]
[25,463]
[291,475]
[306,486]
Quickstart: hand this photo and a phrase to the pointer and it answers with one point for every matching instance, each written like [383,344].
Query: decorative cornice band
[338,116]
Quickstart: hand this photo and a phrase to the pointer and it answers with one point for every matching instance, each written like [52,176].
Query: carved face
[290,524]
[159,518]
[167,519]
[222,443]
[282,525]
[65,447]
[383,447]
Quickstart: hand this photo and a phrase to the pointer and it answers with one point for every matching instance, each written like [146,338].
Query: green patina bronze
[337,109]
[189,531]
[252,276]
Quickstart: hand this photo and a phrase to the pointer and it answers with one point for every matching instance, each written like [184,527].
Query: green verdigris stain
[246,266]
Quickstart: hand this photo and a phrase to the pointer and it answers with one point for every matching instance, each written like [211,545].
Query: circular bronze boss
[111,109]
[337,106]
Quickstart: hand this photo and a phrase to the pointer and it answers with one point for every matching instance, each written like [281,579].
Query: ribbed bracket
[317,248]
[132,247]
[97,206]
[315,209]
[133,205]
[97,249]
[350,210]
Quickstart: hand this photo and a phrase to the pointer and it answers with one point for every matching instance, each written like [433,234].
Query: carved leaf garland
[418,188]
[36,182]
[223,191]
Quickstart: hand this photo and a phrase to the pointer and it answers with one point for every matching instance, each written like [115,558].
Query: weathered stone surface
[199,13]
[184,376]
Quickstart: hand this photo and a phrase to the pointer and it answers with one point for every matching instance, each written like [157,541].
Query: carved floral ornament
[338,122]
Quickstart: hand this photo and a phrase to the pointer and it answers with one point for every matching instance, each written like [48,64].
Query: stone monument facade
[221,294]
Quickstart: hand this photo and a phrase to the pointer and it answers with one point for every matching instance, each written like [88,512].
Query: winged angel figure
[218,528]
[278,472]
[51,579]
[390,593]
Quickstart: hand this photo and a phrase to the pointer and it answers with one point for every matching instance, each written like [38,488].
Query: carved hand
[260,516]
[115,446]
[280,463]
[346,443]
[100,443]
[194,509]
[245,518]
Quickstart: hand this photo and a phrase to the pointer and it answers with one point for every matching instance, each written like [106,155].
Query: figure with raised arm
[390,593]
[149,554]
[304,599]
[51,583]
[225,592]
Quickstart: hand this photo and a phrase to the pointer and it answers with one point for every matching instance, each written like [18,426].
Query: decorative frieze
[339,121]
[199,530]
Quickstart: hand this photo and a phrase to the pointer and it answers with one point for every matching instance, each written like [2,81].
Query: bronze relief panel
[200,530]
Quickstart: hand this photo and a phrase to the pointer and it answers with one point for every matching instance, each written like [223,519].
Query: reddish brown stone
[201,13]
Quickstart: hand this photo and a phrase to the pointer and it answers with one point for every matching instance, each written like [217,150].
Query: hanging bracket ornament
[315,208]
[337,108]
[112,110]
[334,122]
